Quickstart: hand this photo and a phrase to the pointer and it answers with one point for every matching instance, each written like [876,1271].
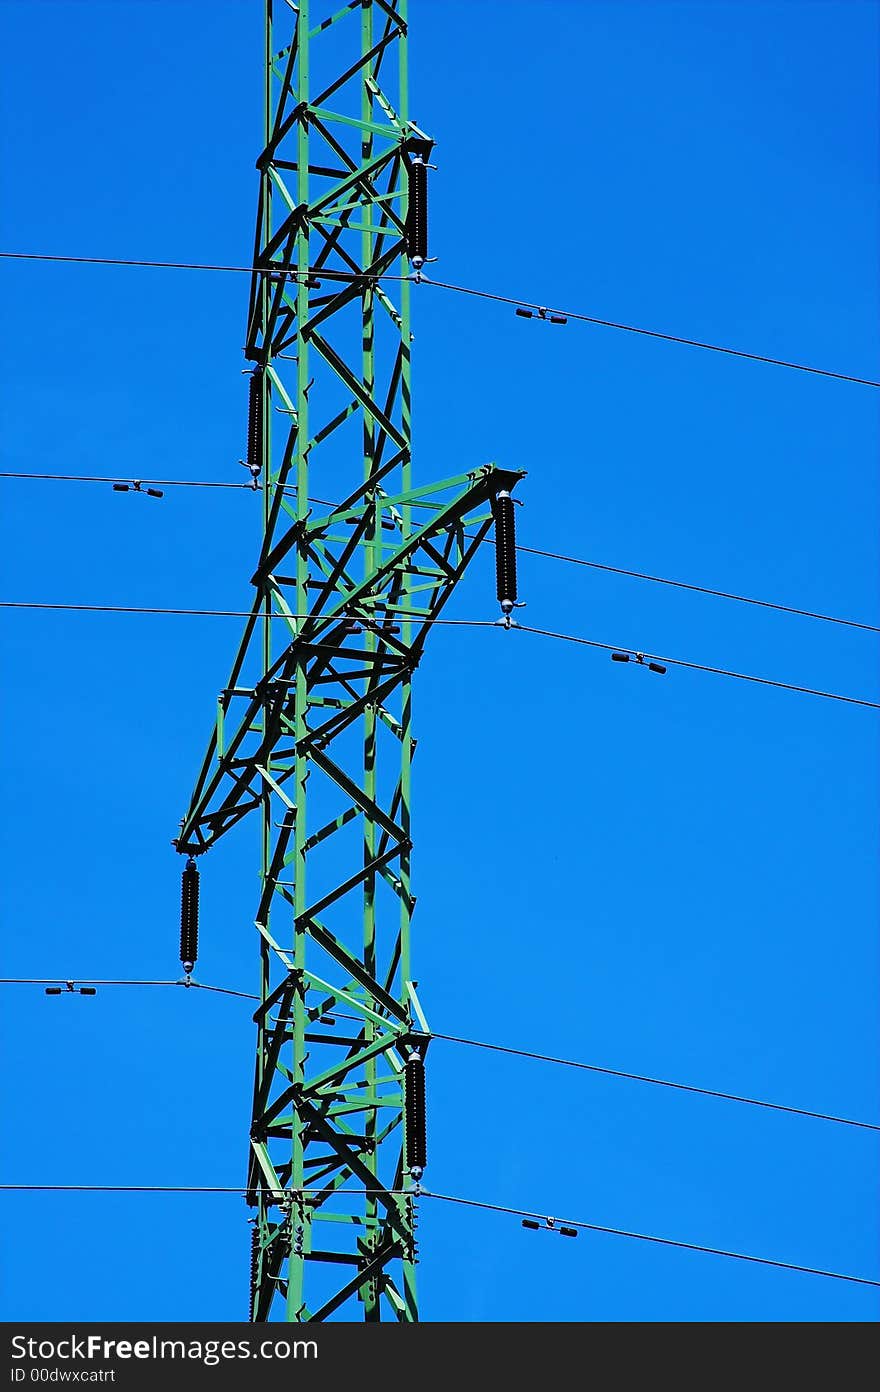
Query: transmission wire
[421,278]
[474,1043]
[417,1193]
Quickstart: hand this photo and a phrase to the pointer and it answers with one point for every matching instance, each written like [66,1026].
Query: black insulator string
[483,1044]
[255,423]
[417,1193]
[256,1250]
[189,916]
[417,201]
[505,550]
[421,278]
[415,1140]
[488,541]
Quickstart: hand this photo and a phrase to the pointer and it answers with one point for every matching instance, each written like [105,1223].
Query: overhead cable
[650,1237]
[544,311]
[441,1198]
[456,623]
[699,666]
[487,541]
[481,1044]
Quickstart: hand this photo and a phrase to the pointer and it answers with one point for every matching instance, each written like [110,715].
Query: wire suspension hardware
[641,659]
[137,486]
[541,313]
[415,1126]
[189,916]
[549,1225]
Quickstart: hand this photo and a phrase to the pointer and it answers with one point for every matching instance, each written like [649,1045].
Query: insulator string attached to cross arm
[255,424]
[189,917]
[255,1266]
[505,551]
[418,154]
[415,1121]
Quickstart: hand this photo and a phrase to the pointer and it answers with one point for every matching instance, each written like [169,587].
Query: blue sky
[673,876]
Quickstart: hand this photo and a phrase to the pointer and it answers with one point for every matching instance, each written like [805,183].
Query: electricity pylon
[313,729]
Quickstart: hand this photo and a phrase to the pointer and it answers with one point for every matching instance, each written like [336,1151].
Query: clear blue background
[674,875]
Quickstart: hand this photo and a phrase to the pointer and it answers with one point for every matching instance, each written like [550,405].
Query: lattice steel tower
[313,729]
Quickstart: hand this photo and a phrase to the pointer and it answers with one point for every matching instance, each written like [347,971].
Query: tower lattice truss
[312,738]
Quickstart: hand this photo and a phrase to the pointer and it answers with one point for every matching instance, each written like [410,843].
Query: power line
[176,1189]
[84,981]
[649,1237]
[649,333]
[487,541]
[454,623]
[97,981]
[221,990]
[697,589]
[348,277]
[135,609]
[189,266]
[442,1198]
[656,1082]
[477,1044]
[635,1077]
[700,667]
[253,486]
[121,478]
[238,613]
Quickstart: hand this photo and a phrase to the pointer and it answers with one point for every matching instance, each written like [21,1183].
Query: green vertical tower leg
[313,731]
[372,552]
